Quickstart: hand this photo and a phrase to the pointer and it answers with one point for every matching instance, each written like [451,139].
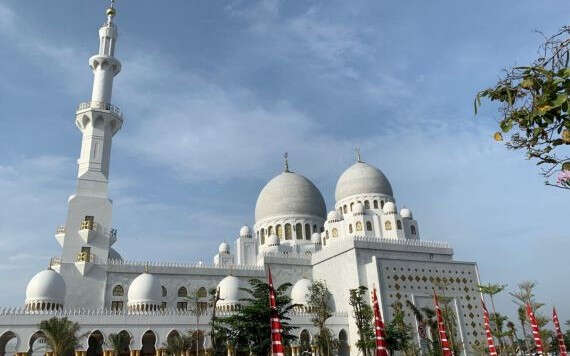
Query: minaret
[98,119]
[87,235]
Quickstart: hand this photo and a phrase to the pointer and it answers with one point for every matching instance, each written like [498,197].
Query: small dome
[145,290]
[114,255]
[289,194]
[333,216]
[245,231]
[358,209]
[230,292]
[389,208]
[224,248]
[300,291]
[362,178]
[316,238]
[47,286]
[273,240]
[406,213]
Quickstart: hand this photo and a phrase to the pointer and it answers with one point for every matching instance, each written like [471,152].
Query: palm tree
[491,290]
[426,317]
[176,344]
[119,343]
[61,335]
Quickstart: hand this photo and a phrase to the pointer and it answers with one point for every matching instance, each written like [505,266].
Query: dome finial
[357,154]
[111,12]
[286,161]
[146,269]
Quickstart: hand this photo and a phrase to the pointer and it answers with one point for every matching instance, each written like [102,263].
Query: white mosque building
[364,240]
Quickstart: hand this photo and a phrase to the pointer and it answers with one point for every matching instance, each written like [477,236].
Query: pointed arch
[148,343]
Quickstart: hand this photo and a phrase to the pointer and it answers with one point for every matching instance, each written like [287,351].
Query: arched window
[322,228]
[270,231]
[413,228]
[299,231]
[307,232]
[358,226]
[351,205]
[288,235]
[366,204]
[344,209]
[375,204]
[164,292]
[202,293]
[314,228]
[118,291]
[399,224]
[334,232]
[388,225]
[350,228]
[368,226]
[279,231]
[262,237]
[327,234]
[381,204]
[182,292]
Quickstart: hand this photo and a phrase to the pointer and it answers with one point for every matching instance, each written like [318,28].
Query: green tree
[216,340]
[248,329]
[398,332]
[491,290]
[198,307]
[318,302]
[119,343]
[177,345]
[525,295]
[364,319]
[535,109]
[426,320]
[61,335]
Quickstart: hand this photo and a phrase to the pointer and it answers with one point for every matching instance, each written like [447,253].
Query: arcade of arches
[100,345]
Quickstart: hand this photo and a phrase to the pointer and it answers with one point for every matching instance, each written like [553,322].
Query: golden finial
[111,9]
[146,269]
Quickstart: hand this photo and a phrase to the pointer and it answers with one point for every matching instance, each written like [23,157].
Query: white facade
[364,240]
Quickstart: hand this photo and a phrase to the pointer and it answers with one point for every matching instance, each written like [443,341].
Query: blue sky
[215,91]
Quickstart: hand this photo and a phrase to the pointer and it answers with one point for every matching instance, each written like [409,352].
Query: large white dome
[230,292]
[362,178]
[145,290]
[289,194]
[46,287]
[300,291]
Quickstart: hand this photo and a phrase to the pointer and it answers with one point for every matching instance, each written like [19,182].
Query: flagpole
[559,335]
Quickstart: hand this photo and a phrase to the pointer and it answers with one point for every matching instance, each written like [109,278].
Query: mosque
[364,240]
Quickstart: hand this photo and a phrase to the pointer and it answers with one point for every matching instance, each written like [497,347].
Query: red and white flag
[535,331]
[277,348]
[490,340]
[381,349]
[446,350]
[559,336]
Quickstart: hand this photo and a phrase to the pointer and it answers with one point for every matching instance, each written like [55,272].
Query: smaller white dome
[358,209]
[389,208]
[47,286]
[230,292]
[300,291]
[245,231]
[224,248]
[333,216]
[406,213]
[316,238]
[145,290]
[273,240]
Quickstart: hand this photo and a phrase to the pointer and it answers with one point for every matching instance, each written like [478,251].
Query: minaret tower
[87,235]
